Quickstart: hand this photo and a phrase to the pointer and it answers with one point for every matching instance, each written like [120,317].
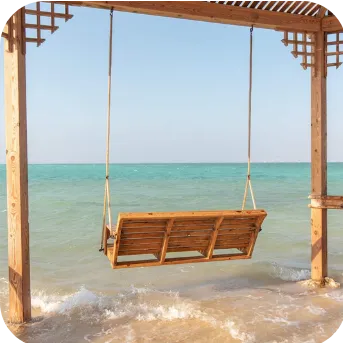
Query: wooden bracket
[303,44]
[38,14]
[326,202]
[8,33]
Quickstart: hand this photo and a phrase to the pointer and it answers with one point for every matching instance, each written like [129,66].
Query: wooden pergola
[314,32]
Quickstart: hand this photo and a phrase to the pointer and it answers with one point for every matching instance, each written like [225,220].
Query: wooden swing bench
[209,235]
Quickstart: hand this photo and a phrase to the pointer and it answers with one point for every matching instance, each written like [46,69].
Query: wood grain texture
[193,231]
[17,176]
[211,12]
[319,157]
[327,202]
[331,24]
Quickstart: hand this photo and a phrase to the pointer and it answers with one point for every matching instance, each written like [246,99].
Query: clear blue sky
[179,94]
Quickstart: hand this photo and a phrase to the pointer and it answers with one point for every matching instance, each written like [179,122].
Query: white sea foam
[236,332]
[289,274]
[140,310]
[337,296]
[318,311]
[280,320]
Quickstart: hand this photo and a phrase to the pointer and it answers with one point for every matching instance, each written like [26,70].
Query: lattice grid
[302,46]
[334,49]
[39,15]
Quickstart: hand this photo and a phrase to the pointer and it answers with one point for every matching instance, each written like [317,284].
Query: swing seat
[201,236]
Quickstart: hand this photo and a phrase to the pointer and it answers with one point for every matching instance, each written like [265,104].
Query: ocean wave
[289,274]
[336,295]
[136,304]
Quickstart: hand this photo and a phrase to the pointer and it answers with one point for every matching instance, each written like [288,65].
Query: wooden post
[17,176]
[319,158]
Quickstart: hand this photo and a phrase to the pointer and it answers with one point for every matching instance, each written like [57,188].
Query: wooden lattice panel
[33,21]
[39,27]
[302,46]
[334,49]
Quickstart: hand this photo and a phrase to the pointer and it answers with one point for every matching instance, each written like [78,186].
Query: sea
[77,297]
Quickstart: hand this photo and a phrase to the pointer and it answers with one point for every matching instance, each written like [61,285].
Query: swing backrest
[209,234]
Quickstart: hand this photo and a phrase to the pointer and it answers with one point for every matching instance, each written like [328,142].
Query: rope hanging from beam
[107,201]
[248,183]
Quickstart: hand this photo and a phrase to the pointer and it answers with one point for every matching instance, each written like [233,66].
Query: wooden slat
[224,232]
[136,235]
[191,228]
[278,5]
[38,23]
[210,247]
[139,224]
[254,4]
[181,260]
[192,233]
[194,248]
[314,10]
[301,7]
[144,241]
[147,230]
[126,252]
[116,242]
[189,244]
[48,14]
[293,7]
[35,40]
[166,240]
[42,27]
[237,242]
[270,5]
[229,238]
[285,6]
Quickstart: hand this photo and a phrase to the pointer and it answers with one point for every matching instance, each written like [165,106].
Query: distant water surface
[82,299]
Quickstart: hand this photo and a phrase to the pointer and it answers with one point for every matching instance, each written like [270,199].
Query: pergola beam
[211,12]
[331,24]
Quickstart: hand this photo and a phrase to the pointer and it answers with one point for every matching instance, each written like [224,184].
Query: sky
[179,94]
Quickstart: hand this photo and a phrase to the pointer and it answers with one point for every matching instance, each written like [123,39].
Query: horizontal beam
[327,202]
[331,24]
[211,12]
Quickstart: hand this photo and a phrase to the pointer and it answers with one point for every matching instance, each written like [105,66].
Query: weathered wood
[211,12]
[331,24]
[319,158]
[166,240]
[48,14]
[180,260]
[327,202]
[147,235]
[182,234]
[213,239]
[189,215]
[117,236]
[17,175]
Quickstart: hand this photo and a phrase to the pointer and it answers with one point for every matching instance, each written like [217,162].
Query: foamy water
[77,297]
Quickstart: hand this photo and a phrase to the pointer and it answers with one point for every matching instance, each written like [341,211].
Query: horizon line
[129,163]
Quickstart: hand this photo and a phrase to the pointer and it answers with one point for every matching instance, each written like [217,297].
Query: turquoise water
[69,273]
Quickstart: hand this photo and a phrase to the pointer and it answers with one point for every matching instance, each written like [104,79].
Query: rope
[107,202]
[248,181]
